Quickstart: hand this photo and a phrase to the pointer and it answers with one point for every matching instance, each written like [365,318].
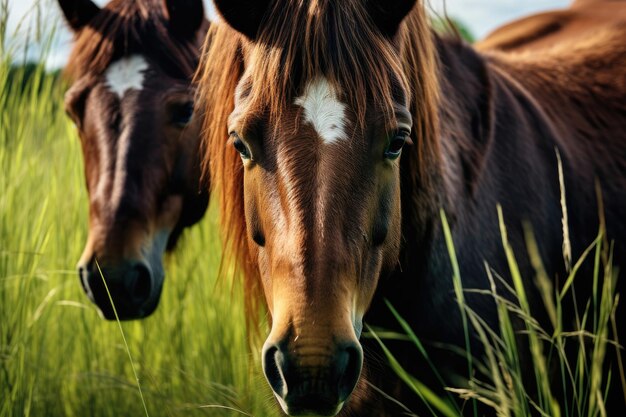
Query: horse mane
[125,27]
[301,40]
[221,67]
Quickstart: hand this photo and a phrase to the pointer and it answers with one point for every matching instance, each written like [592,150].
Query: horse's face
[322,202]
[322,206]
[140,141]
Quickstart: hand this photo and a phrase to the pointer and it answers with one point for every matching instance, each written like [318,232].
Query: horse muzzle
[308,379]
[130,286]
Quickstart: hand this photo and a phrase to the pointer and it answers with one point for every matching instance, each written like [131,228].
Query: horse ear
[245,16]
[388,14]
[78,12]
[185,16]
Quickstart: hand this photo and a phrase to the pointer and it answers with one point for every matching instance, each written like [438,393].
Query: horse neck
[446,176]
[466,118]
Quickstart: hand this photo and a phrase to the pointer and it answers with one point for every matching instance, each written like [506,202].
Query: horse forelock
[303,41]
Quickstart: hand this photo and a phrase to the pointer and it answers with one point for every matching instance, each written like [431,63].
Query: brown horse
[341,129]
[555,29]
[132,102]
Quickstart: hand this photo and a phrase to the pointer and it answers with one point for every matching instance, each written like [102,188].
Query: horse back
[555,29]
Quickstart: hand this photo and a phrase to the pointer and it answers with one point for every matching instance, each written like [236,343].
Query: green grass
[496,379]
[57,356]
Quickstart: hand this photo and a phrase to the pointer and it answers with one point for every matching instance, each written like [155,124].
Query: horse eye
[395,145]
[182,113]
[240,146]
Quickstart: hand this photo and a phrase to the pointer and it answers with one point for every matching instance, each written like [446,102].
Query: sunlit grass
[58,357]
[570,381]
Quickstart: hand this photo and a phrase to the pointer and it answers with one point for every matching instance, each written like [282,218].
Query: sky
[480,16]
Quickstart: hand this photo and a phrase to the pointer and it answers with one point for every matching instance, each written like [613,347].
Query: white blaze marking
[323,110]
[126,74]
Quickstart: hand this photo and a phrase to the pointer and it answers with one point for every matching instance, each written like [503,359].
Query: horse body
[556,28]
[132,101]
[314,221]
[515,114]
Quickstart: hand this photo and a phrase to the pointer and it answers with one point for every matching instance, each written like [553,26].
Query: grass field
[59,358]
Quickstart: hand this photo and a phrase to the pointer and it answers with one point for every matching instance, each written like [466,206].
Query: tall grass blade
[119,323]
[431,400]
[458,292]
[536,347]
[418,344]
[567,245]
[458,287]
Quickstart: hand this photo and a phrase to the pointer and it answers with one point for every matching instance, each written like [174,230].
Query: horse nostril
[83,275]
[351,360]
[139,283]
[273,363]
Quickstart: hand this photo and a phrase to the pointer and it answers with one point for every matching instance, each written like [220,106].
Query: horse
[132,101]
[339,134]
[554,28]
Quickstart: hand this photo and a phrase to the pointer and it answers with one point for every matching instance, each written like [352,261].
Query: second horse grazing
[132,101]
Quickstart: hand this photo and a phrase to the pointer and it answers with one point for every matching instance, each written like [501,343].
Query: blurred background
[28,17]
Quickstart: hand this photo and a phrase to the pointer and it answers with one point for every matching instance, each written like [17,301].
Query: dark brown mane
[300,41]
[125,27]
